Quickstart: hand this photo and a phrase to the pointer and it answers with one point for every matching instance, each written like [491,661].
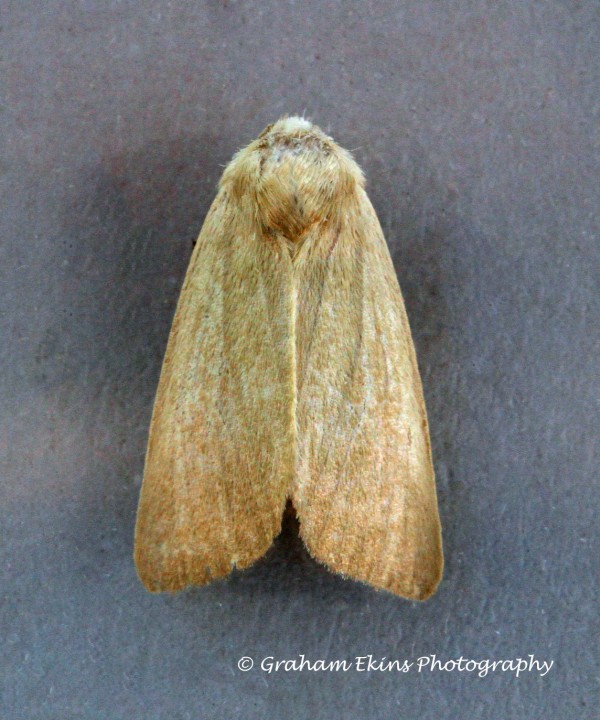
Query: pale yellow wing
[220,451]
[364,490]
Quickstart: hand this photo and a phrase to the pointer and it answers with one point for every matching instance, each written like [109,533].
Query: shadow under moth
[290,374]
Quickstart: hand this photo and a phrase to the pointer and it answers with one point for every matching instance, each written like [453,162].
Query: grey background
[476,123]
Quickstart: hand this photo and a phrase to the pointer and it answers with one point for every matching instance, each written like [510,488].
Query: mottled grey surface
[477,126]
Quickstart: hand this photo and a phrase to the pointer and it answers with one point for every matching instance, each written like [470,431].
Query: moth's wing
[220,451]
[365,489]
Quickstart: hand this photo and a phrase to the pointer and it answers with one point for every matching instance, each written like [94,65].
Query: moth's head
[296,174]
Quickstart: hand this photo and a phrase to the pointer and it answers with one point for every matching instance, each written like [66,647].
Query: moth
[290,374]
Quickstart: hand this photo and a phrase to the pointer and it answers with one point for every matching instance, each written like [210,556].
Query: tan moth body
[290,372]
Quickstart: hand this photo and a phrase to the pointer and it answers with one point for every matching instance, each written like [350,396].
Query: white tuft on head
[294,123]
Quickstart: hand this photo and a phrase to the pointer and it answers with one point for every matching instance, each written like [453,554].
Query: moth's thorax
[296,175]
